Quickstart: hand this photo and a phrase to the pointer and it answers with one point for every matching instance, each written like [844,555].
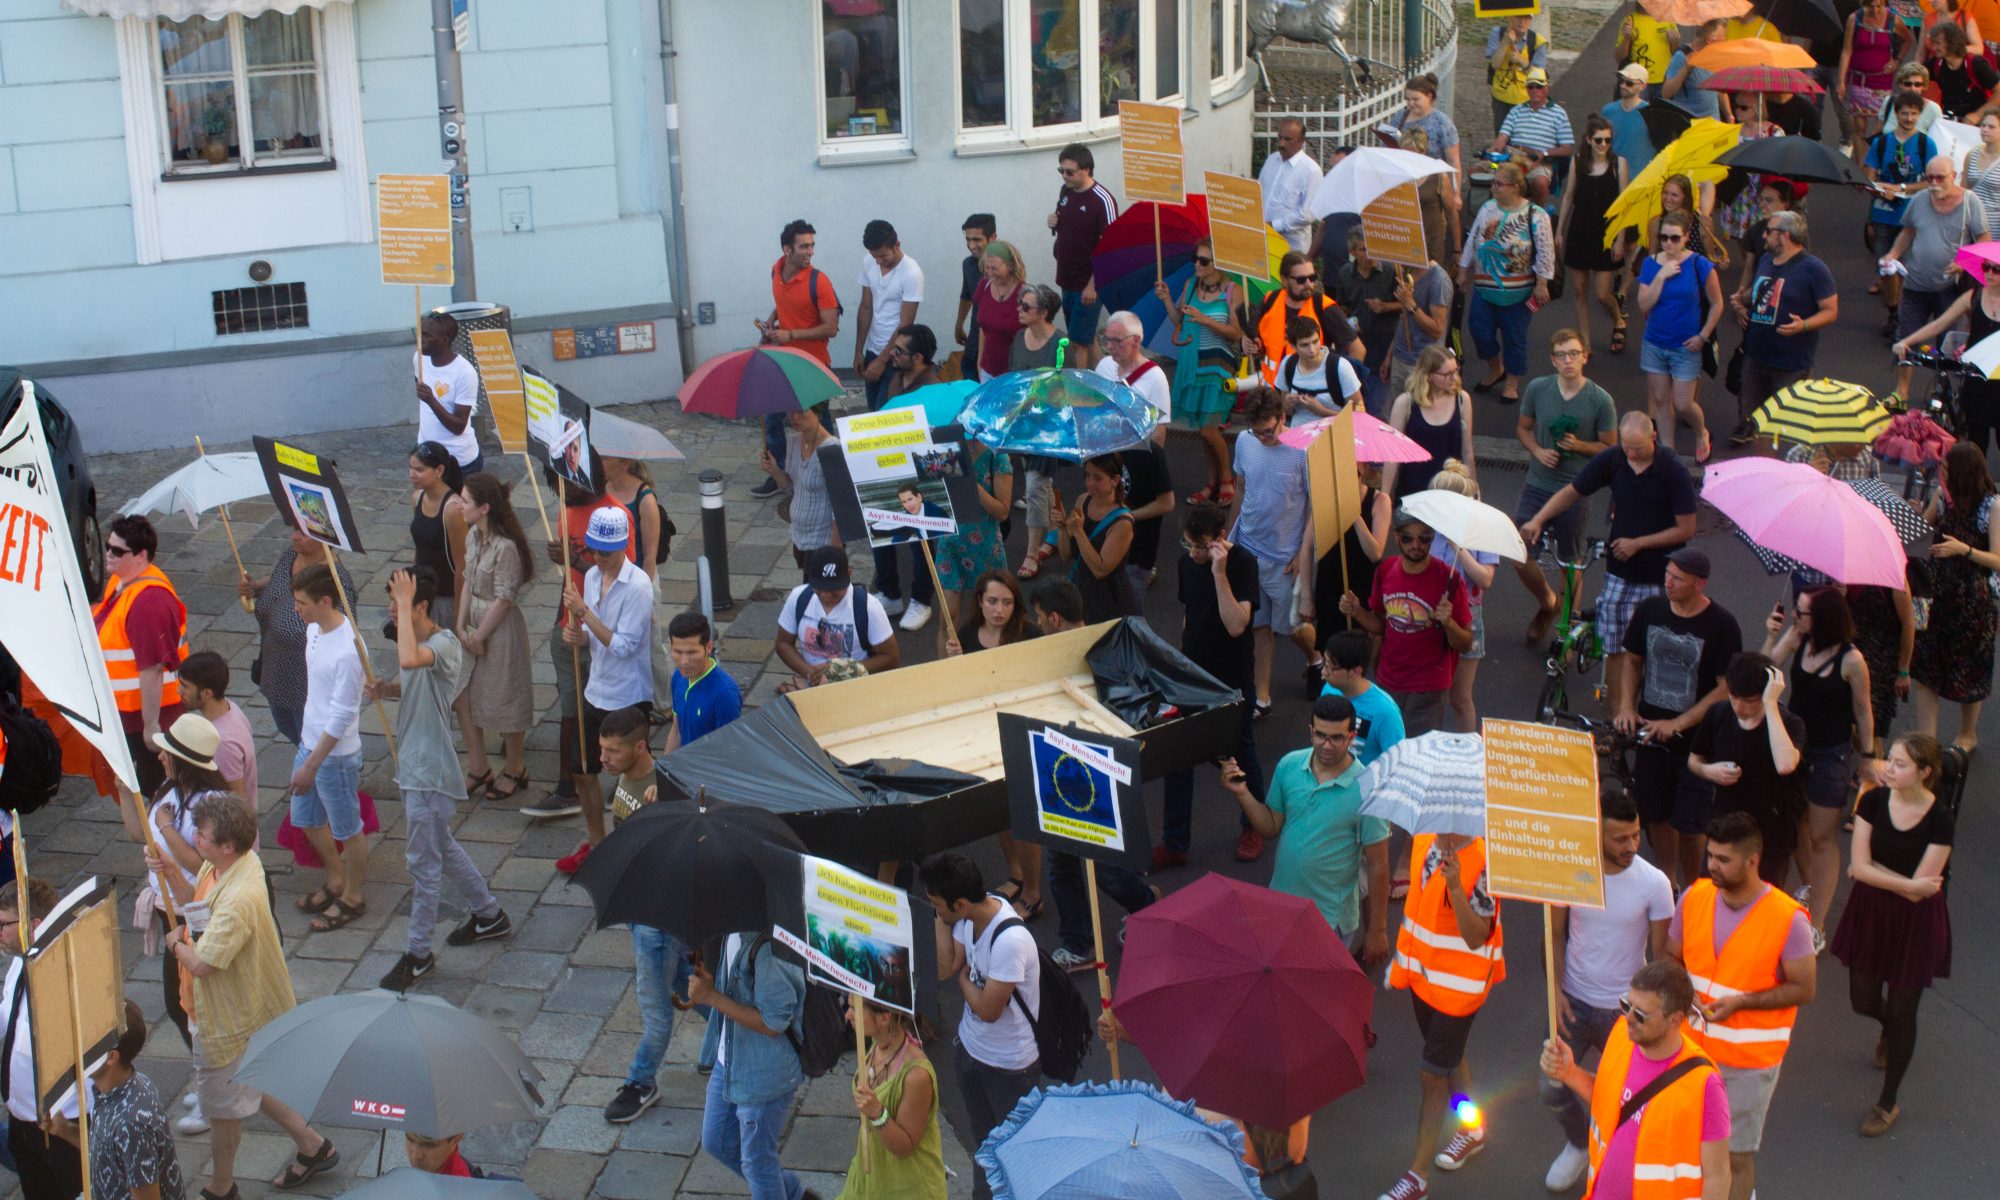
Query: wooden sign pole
[360,647]
[1549,966]
[1097,942]
[944,606]
[229,533]
[861,1074]
[575,655]
[535,486]
[1159,251]
[21,874]
[76,1032]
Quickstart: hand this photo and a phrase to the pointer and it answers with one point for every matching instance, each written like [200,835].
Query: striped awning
[181,10]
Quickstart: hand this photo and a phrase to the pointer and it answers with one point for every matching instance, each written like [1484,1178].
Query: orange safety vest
[1666,1163]
[1750,962]
[119,661]
[1271,329]
[1432,959]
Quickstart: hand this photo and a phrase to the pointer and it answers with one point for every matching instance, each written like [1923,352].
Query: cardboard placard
[898,475]
[1393,224]
[859,937]
[1151,136]
[1236,225]
[79,935]
[306,488]
[413,228]
[558,422]
[1542,821]
[1334,481]
[1076,790]
[501,373]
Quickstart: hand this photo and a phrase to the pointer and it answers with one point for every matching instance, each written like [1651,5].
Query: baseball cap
[1691,559]
[1537,77]
[609,530]
[1632,71]
[826,567]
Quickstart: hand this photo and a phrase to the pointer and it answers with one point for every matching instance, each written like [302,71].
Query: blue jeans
[658,957]
[889,576]
[1079,319]
[1585,1034]
[744,1138]
[1500,331]
[1067,881]
[335,798]
[1177,814]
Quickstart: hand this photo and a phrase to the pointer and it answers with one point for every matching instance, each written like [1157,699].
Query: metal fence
[1337,117]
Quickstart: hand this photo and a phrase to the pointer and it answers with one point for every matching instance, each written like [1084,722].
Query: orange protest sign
[413,228]
[1334,483]
[1151,135]
[501,374]
[1236,224]
[1393,225]
[1541,814]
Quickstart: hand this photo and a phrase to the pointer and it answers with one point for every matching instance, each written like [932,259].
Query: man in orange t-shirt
[805,314]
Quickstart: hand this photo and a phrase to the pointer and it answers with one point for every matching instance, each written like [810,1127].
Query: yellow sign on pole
[1393,224]
[413,228]
[1151,135]
[1541,814]
[1485,9]
[1236,224]
[1334,483]
[501,374]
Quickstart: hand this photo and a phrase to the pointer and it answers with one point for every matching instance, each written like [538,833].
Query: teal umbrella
[941,402]
[1113,1141]
[1063,413]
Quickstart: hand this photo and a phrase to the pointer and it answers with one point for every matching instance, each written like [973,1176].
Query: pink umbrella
[1971,259]
[1793,510]
[1375,440]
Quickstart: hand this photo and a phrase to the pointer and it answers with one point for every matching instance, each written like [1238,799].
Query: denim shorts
[1276,597]
[1683,364]
[335,797]
[1829,774]
[1567,525]
[1079,319]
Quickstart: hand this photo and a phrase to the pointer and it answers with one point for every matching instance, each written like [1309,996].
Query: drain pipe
[674,214]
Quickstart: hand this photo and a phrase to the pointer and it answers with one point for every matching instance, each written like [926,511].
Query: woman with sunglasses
[997,307]
[1580,230]
[1208,353]
[1508,260]
[1681,294]
[1040,344]
[1980,308]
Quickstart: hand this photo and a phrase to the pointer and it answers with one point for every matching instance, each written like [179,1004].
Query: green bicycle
[1577,644]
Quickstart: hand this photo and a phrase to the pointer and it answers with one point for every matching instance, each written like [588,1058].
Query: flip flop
[1618,340]
[303,1167]
[338,914]
[316,902]
[1010,896]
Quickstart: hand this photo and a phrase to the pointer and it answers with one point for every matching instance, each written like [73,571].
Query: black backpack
[822,1035]
[1064,1030]
[860,615]
[33,759]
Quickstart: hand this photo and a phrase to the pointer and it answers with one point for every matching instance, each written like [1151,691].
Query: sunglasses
[111,550]
[1633,1011]
[1306,278]
[1269,434]
[1412,539]
[1066,172]
[1199,261]
[1600,141]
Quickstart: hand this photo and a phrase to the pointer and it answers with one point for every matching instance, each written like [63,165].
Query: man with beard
[1418,606]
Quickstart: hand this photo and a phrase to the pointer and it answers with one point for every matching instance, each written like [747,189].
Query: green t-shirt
[1319,849]
[1589,414]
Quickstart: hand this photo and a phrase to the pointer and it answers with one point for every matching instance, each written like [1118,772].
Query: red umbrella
[1244,1001]
[763,379]
[1762,78]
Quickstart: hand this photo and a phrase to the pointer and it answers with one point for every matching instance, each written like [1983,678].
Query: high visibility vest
[119,661]
[1432,959]
[1750,962]
[1271,330]
[1666,1162]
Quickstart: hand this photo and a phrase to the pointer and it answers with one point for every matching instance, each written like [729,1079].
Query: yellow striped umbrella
[1823,412]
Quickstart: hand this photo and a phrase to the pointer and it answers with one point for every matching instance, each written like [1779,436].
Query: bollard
[715,540]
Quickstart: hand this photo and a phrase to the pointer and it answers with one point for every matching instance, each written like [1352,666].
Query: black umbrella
[1665,122]
[1814,20]
[697,870]
[1794,158]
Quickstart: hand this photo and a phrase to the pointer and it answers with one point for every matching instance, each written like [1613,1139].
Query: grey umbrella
[377,1060]
[408,1183]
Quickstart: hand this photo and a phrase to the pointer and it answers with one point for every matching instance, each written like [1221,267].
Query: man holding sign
[447,394]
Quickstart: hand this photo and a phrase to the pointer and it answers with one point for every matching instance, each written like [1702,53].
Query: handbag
[1733,377]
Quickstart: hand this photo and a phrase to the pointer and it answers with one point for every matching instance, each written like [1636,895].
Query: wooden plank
[933,717]
[1108,721]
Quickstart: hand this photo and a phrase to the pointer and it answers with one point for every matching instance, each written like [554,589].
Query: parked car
[72,467]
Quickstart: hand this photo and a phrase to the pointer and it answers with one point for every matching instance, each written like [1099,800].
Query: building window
[862,81]
[260,309]
[241,92]
[1045,69]
[982,63]
[1226,34]
[1165,34]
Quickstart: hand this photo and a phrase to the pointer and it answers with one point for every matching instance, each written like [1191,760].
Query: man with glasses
[1084,210]
[1300,296]
[1788,301]
[1935,225]
[1149,489]
[1540,128]
[1565,421]
[1421,610]
[142,629]
[1289,178]
[1895,165]
[1679,1128]
[1630,139]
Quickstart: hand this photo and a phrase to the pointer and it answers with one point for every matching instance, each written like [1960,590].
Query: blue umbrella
[941,402]
[1434,783]
[1113,1141]
[1060,412]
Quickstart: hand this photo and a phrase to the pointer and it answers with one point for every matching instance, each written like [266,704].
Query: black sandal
[338,914]
[231,1194]
[1014,895]
[519,781]
[302,1168]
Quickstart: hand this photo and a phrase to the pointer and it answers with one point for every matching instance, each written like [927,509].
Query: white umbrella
[210,481]
[1984,354]
[1470,524]
[621,437]
[1358,180]
[1435,783]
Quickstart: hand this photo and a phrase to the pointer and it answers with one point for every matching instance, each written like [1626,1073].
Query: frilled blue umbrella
[1059,412]
[1113,1141]
[941,402]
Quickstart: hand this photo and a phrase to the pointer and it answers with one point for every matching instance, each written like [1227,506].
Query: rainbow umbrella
[760,380]
[1125,264]
[1160,331]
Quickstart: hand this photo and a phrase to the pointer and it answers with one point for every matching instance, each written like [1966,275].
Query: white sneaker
[194,1122]
[891,605]
[917,615]
[191,1100]
[1567,1169]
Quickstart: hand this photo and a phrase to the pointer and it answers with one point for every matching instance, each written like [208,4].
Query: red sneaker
[1463,1145]
[1410,1187]
[1164,857]
[1249,847]
[569,863]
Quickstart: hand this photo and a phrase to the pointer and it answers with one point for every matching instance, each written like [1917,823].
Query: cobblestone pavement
[560,985]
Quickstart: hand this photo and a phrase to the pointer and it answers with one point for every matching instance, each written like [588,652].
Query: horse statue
[1314,21]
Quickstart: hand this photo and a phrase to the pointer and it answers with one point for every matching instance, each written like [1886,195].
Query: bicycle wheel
[1555,698]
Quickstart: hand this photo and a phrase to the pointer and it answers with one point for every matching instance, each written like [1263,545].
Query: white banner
[45,619]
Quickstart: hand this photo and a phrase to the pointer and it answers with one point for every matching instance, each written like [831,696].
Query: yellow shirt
[250,986]
[1754,26]
[1649,47]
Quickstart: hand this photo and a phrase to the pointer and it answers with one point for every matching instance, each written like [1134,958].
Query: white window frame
[239,70]
[1020,131]
[1235,39]
[872,146]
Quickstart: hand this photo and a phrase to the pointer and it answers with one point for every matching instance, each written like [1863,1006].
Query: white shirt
[1009,1041]
[333,690]
[903,282]
[1151,385]
[183,823]
[824,636]
[21,1067]
[1608,946]
[1312,382]
[621,670]
[456,386]
[1288,186]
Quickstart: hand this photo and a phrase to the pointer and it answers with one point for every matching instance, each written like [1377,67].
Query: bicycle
[1944,405]
[1612,744]
[1577,643]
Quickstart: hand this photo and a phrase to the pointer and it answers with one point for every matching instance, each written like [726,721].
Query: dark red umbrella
[1244,1001]
[1762,77]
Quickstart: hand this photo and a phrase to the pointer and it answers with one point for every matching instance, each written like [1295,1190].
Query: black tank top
[1822,699]
[1981,323]
[433,548]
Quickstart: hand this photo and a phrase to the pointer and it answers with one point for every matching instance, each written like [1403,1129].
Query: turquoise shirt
[1378,722]
[1319,849]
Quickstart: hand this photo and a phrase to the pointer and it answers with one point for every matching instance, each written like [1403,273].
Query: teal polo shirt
[1319,849]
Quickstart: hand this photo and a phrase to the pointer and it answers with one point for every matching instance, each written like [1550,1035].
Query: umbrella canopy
[1911,528]
[1244,1001]
[613,436]
[1763,78]
[1470,524]
[1814,20]
[408,1183]
[1664,123]
[1794,158]
[1823,412]
[697,870]
[1358,180]
[1751,52]
[757,381]
[941,402]
[381,1060]
[1113,1141]
[1806,516]
[1061,412]
[1693,154]
[1974,260]
[1694,12]
[1435,783]
[1125,264]
[1375,440]
[210,481]
[1914,439]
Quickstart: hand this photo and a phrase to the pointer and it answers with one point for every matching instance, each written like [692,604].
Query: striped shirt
[1538,129]
[1982,175]
[250,985]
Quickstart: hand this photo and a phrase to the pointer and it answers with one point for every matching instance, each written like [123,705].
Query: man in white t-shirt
[892,285]
[816,624]
[1599,950]
[326,773]
[1125,360]
[447,394]
[983,945]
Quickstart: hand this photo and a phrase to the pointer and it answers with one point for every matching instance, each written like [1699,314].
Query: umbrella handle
[1062,351]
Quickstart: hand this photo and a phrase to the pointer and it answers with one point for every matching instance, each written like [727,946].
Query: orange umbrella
[1694,12]
[1751,52]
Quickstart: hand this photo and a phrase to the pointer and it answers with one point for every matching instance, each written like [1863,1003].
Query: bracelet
[880,1121]
[1902,674]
